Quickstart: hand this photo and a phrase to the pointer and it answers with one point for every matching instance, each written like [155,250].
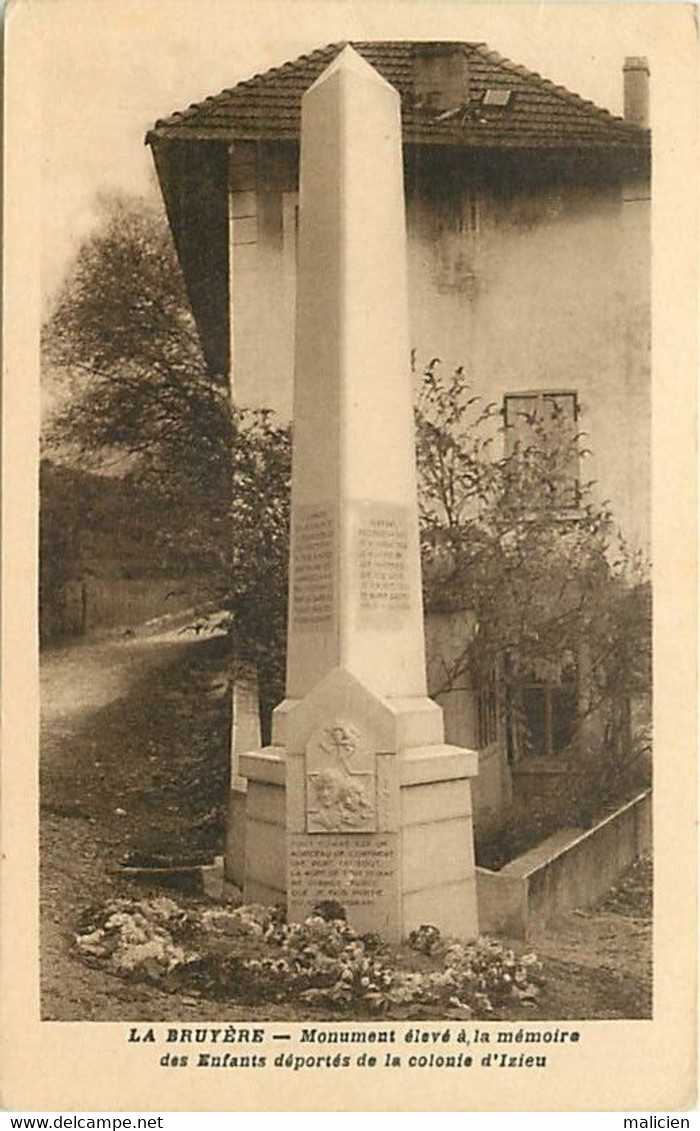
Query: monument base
[388,882]
[350,810]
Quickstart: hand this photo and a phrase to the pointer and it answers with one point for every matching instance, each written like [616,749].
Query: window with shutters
[546,711]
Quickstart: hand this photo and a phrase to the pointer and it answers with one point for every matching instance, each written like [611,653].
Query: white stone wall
[543,291]
[558,300]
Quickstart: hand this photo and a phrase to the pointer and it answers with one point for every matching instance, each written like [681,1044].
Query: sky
[110,68]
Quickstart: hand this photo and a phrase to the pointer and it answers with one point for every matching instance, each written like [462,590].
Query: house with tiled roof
[528,252]
[487,144]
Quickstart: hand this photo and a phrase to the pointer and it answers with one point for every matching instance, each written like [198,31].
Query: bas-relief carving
[340,782]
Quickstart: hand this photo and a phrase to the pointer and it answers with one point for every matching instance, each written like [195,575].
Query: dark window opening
[546,716]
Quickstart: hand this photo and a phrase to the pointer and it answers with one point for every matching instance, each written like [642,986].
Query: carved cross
[341,743]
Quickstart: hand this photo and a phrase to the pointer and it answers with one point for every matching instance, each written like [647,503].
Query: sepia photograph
[344,610]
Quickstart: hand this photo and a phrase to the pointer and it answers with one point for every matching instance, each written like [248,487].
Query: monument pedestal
[362,803]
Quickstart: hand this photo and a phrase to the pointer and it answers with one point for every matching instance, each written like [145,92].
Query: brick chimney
[635,75]
[440,76]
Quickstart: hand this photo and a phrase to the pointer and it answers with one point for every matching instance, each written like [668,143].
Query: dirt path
[81,677]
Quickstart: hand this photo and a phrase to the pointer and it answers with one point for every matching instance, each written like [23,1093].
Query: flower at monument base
[251,919]
[426,939]
[250,954]
[131,938]
[330,909]
[333,936]
[155,957]
[531,967]
[95,943]
[464,1011]
[230,922]
[483,1004]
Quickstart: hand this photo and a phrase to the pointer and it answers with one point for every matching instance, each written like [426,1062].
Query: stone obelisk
[358,801]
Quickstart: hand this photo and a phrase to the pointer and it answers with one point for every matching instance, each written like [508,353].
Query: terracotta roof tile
[539,114]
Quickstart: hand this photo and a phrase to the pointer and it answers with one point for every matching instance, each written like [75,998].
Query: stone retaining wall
[573,868]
